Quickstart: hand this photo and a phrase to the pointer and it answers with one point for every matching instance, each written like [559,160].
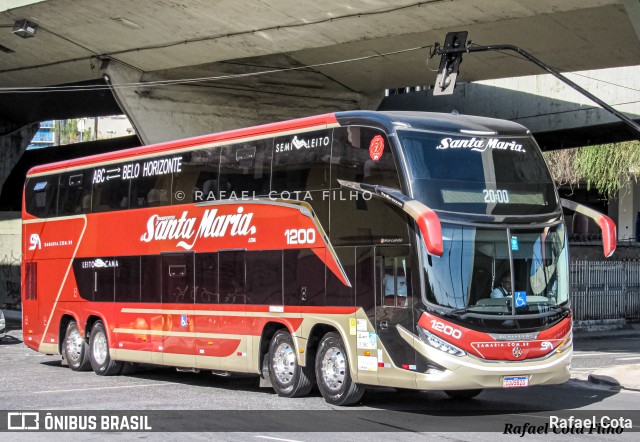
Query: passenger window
[301,161]
[245,168]
[42,193]
[207,278]
[150,270]
[128,279]
[177,278]
[264,281]
[75,193]
[363,154]
[151,184]
[198,179]
[95,278]
[110,191]
[231,277]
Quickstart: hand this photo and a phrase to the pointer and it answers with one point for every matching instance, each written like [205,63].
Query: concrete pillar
[167,112]
[628,207]
[12,145]
[10,258]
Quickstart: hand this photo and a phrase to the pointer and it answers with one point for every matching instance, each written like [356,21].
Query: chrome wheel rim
[284,363]
[74,345]
[334,368]
[100,348]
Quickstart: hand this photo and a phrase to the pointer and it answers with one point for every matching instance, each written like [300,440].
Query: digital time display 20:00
[491,196]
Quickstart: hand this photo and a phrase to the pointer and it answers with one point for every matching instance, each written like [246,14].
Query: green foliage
[608,166]
[69,132]
[605,167]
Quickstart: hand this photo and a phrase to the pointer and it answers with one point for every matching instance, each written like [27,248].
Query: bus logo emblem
[376,147]
[35,242]
[517,352]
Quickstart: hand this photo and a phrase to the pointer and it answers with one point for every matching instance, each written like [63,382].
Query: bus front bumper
[470,372]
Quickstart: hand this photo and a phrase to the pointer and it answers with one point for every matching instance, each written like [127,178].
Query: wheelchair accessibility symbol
[183,321]
[521,299]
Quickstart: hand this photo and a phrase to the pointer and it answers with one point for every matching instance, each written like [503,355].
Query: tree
[605,167]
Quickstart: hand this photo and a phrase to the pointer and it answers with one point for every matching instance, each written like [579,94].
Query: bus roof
[388,121]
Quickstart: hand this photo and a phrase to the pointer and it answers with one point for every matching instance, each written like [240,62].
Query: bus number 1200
[300,236]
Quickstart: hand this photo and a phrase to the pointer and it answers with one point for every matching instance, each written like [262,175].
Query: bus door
[178,328]
[394,303]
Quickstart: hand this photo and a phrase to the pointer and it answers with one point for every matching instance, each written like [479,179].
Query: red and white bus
[347,250]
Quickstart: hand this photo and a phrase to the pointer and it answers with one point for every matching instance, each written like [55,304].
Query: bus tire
[101,362]
[76,350]
[288,378]
[463,394]
[332,372]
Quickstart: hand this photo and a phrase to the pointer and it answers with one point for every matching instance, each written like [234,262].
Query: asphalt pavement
[620,376]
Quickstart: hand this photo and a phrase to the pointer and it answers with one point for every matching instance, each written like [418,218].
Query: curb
[604,380]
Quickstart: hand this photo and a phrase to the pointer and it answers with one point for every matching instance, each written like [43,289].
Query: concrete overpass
[136,43]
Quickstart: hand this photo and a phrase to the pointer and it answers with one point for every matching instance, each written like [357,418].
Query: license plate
[515,381]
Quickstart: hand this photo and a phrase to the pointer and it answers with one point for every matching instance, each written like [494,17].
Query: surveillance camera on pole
[450,63]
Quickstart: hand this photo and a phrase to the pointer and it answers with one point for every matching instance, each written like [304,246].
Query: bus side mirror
[606,224]
[427,220]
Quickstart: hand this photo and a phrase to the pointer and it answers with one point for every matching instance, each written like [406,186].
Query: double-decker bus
[345,250]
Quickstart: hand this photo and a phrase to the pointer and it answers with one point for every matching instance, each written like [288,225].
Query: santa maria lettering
[211,225]
[480,144]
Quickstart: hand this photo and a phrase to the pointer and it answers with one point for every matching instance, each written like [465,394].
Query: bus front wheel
[101,362]
[332,372]
[288,378]
[76,350]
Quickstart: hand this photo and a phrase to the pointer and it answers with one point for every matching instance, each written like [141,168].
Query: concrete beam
[633,11]
[233,97]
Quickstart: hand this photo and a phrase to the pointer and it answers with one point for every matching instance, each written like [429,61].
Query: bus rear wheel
[332,371]
[101,362]
[288,378]
[76,350]
[463,394]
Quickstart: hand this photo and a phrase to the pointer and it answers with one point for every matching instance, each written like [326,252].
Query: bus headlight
[440,344]
[566,344]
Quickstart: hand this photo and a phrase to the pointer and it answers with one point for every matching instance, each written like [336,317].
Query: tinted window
[207,278]
[110,191]
[150,270]
[128,279]
[231,277]
[503,176]
[356,221]
[245,167]
[177,278]
[303,276]
[198,179]
[74,195]
[301,161]
[264,277]
[337,292]
[42,193]
[83,272]
[151,182]
[365,280]
[105,279]
[363,155]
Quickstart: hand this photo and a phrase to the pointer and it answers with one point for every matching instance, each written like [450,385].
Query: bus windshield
[484,270]
[482,175]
